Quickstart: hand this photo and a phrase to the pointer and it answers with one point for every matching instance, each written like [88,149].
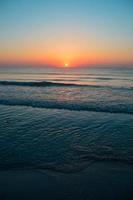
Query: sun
[66,65]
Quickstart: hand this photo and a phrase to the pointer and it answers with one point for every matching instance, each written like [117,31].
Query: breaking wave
[33,83]
[57,84]
[128,109]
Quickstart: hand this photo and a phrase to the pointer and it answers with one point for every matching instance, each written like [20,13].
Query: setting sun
[66,65]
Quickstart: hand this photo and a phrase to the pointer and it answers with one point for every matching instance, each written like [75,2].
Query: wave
[33,83]
[67,167]
[57,84]
[68,106]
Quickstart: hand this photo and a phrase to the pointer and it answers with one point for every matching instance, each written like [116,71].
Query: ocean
[66,135]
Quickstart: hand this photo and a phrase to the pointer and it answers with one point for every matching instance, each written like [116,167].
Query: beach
[99,181]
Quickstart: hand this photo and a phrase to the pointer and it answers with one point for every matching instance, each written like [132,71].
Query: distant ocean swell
[57,84]
[123,109]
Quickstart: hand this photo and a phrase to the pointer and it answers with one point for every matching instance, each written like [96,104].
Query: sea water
[66,123]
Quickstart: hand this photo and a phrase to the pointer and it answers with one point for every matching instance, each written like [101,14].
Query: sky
[73,32]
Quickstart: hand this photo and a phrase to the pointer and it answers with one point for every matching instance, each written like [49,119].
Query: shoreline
[99,181]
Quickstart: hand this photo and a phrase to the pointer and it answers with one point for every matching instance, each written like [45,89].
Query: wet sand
[100,181]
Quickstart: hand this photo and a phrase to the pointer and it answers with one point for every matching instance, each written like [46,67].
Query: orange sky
[73,56]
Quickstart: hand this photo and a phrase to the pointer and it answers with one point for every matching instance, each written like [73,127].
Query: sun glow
[66,65]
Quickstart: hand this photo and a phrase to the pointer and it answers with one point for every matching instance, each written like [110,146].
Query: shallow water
[60,140]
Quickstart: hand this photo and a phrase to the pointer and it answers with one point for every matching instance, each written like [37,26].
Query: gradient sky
[55,32]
